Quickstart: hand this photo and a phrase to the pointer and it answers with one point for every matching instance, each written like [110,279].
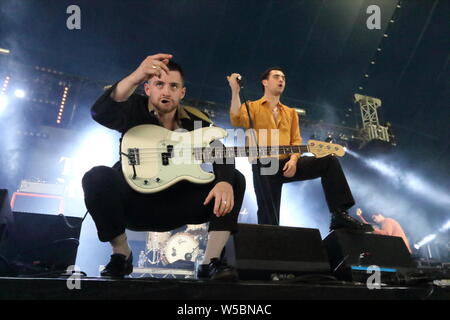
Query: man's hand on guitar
[290,168]
[224,198]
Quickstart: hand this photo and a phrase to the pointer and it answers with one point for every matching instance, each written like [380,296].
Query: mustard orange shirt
[284,131]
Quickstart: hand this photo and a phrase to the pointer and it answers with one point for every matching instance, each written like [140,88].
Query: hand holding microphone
[235,81]
[359,212]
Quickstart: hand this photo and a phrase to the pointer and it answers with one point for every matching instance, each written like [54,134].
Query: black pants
[114,206]
[268,187]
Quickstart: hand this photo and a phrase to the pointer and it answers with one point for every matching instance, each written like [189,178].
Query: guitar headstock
[322,149]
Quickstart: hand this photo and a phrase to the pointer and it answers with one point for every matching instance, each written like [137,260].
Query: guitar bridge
[133,156]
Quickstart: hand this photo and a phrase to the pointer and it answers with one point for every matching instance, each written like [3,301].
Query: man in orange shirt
[276,124]
[389,227]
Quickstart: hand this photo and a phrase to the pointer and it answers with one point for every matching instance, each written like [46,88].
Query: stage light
[433,236]
[425,240]
[61,105]
[411,181]
[5,85]
[3,103]
[4,51]
[430,191]
[383,168]
[352,153]
[19,93]
[445,227]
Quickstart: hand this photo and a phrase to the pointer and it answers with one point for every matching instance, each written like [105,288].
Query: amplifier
[42,187]
[262,252]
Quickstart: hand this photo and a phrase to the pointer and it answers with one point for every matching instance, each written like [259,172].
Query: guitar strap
[198,114]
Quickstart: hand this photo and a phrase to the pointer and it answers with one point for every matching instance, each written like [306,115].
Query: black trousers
[268,187]
[114,206]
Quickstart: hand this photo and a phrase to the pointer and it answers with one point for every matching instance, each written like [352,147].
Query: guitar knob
[157,179]
[145,182]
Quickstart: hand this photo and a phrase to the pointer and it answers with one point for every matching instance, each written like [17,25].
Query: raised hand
[235,88]
[153,65]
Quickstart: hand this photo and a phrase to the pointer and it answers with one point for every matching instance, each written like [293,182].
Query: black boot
[119,266]
[217,270]
[342,220]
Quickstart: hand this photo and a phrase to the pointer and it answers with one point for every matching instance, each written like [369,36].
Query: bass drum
[181,246]
[157,240]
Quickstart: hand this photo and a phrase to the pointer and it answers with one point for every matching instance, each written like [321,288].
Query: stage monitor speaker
[259,252]
[46,242]
[351,254]
[6,217]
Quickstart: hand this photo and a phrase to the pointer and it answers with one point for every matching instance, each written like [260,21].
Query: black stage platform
[191,289]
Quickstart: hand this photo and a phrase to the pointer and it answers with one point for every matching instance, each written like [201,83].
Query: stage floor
[190,289]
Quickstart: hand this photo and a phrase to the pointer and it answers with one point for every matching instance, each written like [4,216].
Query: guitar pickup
[133,156]
[165,156]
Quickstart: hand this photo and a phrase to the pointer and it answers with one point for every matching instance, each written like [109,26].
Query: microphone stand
[269,203]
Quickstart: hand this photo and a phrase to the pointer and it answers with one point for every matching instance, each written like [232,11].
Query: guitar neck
[212,153]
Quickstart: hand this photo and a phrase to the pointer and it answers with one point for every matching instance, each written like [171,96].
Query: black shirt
[122,116]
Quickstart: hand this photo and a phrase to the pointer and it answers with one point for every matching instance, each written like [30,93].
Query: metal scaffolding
[371,130]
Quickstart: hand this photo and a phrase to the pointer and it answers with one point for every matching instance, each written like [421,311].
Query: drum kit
[168,248]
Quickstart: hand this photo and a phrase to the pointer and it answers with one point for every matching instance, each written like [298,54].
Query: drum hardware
[165,248]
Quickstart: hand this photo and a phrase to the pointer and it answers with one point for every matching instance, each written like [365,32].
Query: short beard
[162,110]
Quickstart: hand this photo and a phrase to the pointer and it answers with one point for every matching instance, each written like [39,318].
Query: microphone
[240,81]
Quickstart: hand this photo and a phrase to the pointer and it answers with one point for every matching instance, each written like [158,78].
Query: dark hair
[375,215]
[173,66]
[265,75]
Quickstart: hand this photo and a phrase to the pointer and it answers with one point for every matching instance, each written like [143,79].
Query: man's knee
[333,160]
[95,176]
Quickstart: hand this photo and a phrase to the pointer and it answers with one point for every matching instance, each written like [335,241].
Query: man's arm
[113,108]
[363,220]
[222,191]
[223,169]
[386,230]
[359,214]
[237,118]
[152,66]
[124,89]
[296,139]
[235,107]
